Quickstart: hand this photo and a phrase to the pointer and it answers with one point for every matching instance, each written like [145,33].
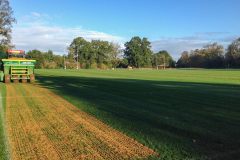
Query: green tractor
[17,67]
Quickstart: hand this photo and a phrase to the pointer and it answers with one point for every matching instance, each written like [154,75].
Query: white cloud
[35,32]
[175,46]
[36,14]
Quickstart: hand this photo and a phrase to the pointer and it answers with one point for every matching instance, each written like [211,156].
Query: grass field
[181,114]
[3,150]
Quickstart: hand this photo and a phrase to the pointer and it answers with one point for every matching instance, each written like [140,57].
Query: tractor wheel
[15,80]
[7,79]
[24,79]
[32,78]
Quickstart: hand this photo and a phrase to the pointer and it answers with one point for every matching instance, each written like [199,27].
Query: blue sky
[174,25]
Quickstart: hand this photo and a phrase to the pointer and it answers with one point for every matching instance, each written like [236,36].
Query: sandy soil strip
[42,125]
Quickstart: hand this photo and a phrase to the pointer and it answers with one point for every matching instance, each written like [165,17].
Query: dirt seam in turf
[37,151]
[2,116]
[78,135]
[73,108]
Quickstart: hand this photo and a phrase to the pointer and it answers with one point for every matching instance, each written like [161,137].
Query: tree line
[46,60]
[212,56]
[103,55]
[137,54]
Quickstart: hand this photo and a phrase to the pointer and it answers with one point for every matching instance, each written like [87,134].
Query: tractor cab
[16,54]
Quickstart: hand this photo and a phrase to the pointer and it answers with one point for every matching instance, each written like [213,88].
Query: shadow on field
[178,120]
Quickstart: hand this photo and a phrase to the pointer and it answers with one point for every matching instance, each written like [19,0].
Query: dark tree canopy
[233,54]
[94,54]
[3,50]
[183,61]
[210,56]
[162,58]
[138,52]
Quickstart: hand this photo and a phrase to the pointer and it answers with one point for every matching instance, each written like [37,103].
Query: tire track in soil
[42,125]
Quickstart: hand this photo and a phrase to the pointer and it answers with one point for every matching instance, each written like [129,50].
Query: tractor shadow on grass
[179,120]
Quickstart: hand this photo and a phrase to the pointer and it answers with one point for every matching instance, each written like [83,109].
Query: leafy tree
[59,60]
[133,51]
[146,52]
[49,56]
[101,51]
[37,55]
[122,63]
[210,56]
[94,54]
[46,59]
[183,61]
[105,52]
[114,51]
[79,46]
[162,58]
[90,56]
[138,52]
[233,54]
[196,59]
[52,61]
[3,50]
[213,55]
[6,20]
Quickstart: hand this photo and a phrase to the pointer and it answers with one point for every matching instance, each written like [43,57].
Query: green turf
[182,114]
[3,151]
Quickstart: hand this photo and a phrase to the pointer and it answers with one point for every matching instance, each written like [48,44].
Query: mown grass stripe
[4,152]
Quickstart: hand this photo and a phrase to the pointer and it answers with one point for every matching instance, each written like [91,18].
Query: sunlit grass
[3,150]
